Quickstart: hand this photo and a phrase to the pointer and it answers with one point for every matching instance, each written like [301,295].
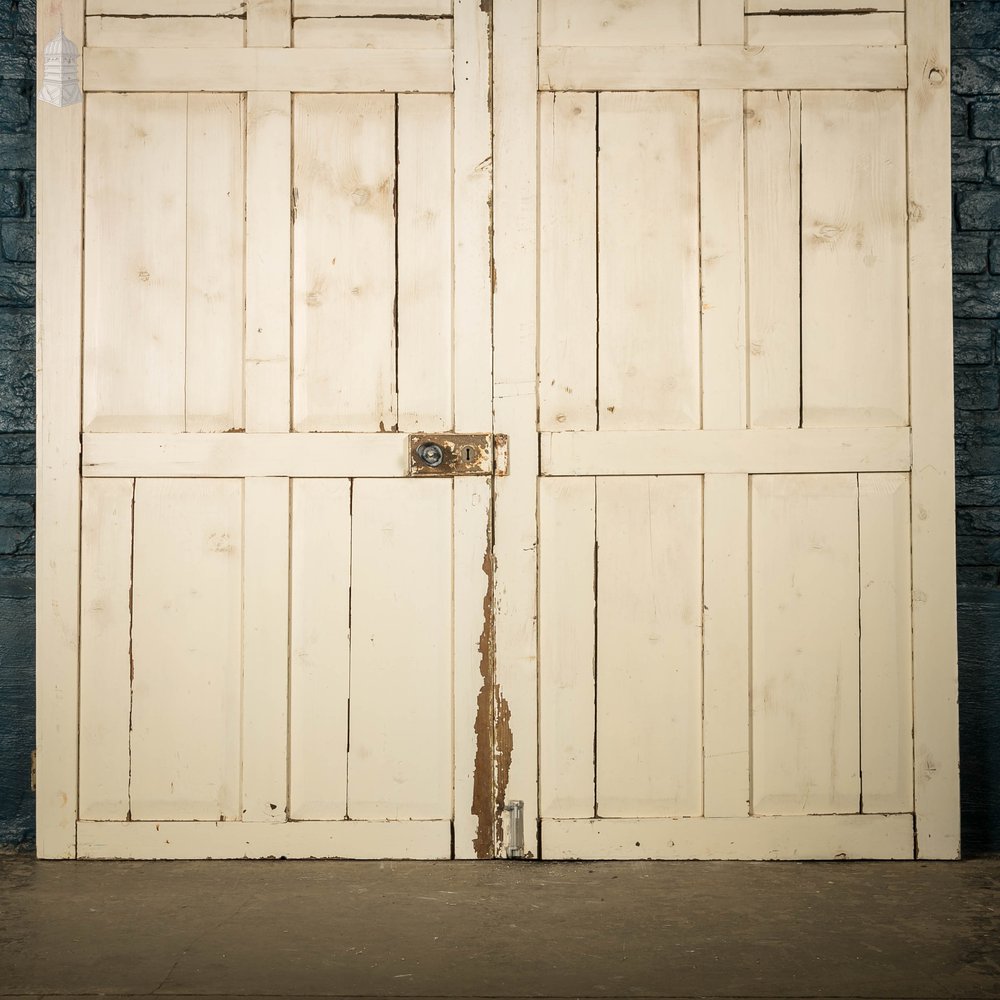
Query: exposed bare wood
[372,33]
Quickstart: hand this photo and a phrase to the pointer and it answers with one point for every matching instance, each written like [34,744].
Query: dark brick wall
[976,144]
[976,184]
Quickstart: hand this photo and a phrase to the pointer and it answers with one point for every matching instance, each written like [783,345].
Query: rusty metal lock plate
[451,454]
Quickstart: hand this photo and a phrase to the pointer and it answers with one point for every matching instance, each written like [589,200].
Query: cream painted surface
[689,257]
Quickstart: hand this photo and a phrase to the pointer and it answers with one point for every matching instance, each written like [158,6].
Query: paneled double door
[662,282]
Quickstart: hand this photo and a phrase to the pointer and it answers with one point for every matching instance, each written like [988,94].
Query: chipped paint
[482,783]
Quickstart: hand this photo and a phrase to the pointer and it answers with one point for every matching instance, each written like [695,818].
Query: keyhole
[467,451]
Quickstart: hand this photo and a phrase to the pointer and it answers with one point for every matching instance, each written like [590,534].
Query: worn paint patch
[504,743]
[482,781]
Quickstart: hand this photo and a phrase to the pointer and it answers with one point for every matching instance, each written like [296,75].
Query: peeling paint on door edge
[483,798]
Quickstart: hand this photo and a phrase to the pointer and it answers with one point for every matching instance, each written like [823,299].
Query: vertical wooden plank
[854,292]
[935,682]
[567,294]
[886,656]
[649,641]
[648,246]
[269,23]
[424,316]
[264,791]
[726,653]
[773,156]
[722,22]
[473,401]
[723,271]
[320,648]
[186,641]
[134,284]
[567,650]
[215,223]
[57,559]
[345,262]
[805,645]
[515,161]
[268,248]
[400,746]
[105,648]
[473,195]
[473,617]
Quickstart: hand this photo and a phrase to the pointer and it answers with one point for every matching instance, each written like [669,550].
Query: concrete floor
[392,929]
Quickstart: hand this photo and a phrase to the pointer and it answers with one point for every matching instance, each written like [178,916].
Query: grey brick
[969,254]
[968,162]
[977,297]
[975,25]
[17,284]
[11,195]
[17,391]
[17,512]
[18,241]
[975,73]
[977,389]
[17,150]
[974,342]
[979,209]
[17,329]
[17,449]
[977,460]
[984,121]
[978,491]
[17,541]
[978,576]
[979,521]
[975,551]
[959,116]
[15,480]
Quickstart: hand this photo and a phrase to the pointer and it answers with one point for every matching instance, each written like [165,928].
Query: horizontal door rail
[725,67]
[646,453]
[238,70]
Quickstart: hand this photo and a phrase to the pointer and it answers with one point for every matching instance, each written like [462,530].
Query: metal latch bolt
[514,828]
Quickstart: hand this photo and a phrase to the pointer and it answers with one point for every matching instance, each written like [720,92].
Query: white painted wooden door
[285,273]
[689,259]
[744,510]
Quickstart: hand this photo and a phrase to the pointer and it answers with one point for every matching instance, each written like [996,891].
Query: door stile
[472,381]
[935,679]
[60,323]
[515,108]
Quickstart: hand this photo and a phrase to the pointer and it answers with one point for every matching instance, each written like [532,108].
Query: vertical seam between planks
[802,236]
[750,647]
[240,791]
[245,104]
[701,268]
[703,486]
[288,654]
[745,261]
[292,219]
[597,271]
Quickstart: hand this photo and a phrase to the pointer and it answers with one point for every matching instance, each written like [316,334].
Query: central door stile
[475,808]
[515,102]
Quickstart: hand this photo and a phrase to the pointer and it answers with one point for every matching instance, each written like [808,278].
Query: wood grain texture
[854,287]
[345,270]
[567,305]
[886,653]
[832,6]
[303,71]
[722,22]
[264,745]
[773,169]
[935,700]
[721,67]
[648,274]
[320,648]
[723,263]
[352,8]
[567,665]
[515,162]
[268,246]
[186,645]
[105,649]
[608,22]
[423,840]
[372,33]
[322,456]
[424,259]
[473,235]
[625,453]
[165,32]
[135,278]
[175,8]
[57,507]
[216,127]
[269,23]
[726,649]
[845,29]
[806,639]
[400,756]
[649,641]
[753,838]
